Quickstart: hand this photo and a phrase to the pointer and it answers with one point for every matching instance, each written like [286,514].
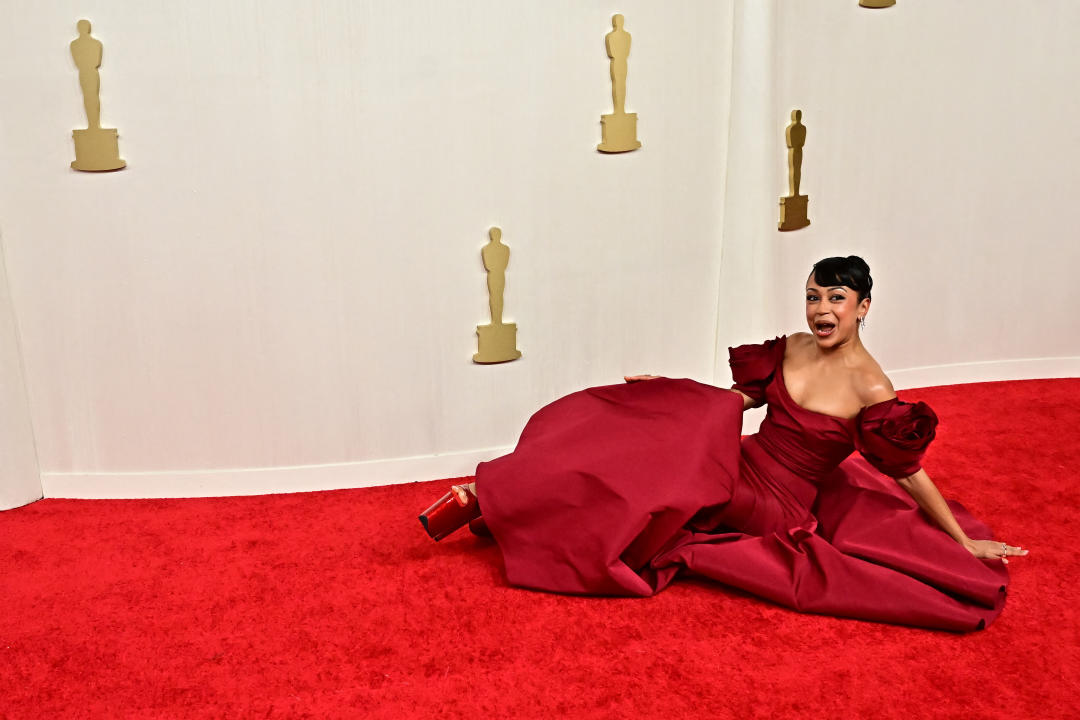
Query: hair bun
[858,262]
[851,271]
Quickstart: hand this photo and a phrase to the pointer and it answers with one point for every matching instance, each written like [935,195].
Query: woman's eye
[811,298]
[837,298]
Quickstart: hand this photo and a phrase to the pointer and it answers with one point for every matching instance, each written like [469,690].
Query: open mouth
[824,328]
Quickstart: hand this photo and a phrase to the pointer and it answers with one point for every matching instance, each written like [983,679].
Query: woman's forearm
[923,490]
[747,401]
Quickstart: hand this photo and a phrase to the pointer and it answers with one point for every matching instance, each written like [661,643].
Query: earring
[862,322]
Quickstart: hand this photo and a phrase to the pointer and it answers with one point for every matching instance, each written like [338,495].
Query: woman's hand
[639,378]
[993,550]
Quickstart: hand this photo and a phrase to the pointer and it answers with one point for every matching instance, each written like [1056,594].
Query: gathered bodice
[809,444]
[892,435]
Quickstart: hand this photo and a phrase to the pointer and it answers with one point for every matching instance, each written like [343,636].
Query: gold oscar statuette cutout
[876,3]
[497,340]
[793,207]
[96,148]
[619,129]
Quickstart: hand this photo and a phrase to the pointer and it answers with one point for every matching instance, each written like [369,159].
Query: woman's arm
[747,401]
[923,490]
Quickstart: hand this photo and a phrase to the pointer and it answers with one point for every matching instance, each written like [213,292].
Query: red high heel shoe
[450,512]
[478,527]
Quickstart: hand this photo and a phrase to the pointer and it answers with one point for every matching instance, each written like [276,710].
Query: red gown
[614,490]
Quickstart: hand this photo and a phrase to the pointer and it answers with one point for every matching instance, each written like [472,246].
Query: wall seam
[724,200]
[21,359]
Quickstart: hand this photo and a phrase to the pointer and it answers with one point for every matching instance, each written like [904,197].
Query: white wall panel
[20,482]
[280,291]
[942,145]
[288,271]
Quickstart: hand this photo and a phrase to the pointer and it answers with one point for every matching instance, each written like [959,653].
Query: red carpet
[335,605]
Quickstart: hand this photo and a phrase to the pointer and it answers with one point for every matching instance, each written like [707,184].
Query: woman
[613,490]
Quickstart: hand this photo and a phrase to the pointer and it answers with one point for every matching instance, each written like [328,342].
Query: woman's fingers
[1004,551]
[996,550]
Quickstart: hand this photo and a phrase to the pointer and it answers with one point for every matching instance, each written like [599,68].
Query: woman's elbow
[747,401]
[908,483]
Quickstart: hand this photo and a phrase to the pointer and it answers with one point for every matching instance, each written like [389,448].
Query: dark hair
[851,271]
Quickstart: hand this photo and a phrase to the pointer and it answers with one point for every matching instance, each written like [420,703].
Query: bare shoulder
[871,383]
[798,343]
[798,350]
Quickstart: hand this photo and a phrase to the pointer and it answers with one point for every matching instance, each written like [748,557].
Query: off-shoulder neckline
[787,394]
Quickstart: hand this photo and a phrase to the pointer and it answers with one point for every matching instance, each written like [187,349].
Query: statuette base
[619,133]
[498,343]
[793,212]
[97,150]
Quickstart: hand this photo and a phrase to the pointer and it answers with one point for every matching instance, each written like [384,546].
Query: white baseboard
[989,371]
[10,502]
[261,481]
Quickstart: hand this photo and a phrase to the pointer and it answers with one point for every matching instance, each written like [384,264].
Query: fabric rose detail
[894,435]
[912,428]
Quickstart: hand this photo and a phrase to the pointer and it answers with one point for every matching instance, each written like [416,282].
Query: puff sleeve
[753,367]
[893,436]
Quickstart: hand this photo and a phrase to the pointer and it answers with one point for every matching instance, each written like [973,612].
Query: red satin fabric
[614,490]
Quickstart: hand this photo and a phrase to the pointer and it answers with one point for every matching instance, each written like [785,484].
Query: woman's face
[833,312]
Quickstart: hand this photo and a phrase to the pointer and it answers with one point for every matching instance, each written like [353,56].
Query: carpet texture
[336,605]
